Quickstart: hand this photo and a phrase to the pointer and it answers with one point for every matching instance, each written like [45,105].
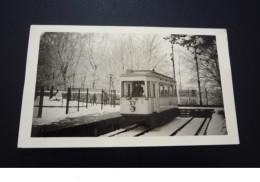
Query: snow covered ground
[116,132]
[56,114]
[216,126]
[133,132]
[191,128]
[169,128]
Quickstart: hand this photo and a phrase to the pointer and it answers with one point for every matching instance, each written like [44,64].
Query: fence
[73,98]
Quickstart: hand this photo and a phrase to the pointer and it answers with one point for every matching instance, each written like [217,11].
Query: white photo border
[26,141]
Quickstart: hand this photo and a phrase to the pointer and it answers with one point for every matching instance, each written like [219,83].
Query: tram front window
[133,89]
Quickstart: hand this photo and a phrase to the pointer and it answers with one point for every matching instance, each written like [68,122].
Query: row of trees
[87,59]
[205,63]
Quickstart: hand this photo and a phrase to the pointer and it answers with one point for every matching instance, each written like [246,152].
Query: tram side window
[174,91]
[148,89]
[122,89]
[180,93]
[166,90]
[153,91]
[161,89]
[170,90]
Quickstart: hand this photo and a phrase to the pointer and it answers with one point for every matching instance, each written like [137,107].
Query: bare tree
[62,53]
[205,60]
[95,55]
[47,71]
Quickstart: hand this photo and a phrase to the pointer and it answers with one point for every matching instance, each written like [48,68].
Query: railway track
[132,127]
[133,130]
[178,127]
[204,127]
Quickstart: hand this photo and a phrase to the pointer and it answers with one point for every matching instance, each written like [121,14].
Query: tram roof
[146,73]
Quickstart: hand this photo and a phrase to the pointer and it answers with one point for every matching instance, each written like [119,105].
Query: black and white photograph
[127,86]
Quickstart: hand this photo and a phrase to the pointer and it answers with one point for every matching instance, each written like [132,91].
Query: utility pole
[180,72]
[111,86]
[110,81]
[130,40]
[173,64]
[198,76]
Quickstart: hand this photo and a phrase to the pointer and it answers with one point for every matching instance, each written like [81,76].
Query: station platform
[89,125]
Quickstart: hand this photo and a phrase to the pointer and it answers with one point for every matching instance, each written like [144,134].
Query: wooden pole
[78,98]
[173,66]
[198,77]
[102,99]
[41,102]
[114,98]
[68,100]
[87,99]
[111,97]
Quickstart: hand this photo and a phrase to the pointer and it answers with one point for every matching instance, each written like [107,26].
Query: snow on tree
[203,48]
[86,60]
[59,55]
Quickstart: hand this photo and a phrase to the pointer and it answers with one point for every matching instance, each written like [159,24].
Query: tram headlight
[132,108]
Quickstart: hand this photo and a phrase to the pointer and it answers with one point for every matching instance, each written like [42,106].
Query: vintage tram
[148,96]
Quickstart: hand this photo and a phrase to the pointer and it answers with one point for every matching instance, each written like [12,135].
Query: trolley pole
[180,72]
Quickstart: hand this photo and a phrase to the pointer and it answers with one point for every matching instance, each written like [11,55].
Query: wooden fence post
[68,99]
[114,98]
[41,102]
[78,99]
[110,92]
[102,99]
[87,99]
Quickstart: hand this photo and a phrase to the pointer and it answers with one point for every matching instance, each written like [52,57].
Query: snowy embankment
[52,115]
